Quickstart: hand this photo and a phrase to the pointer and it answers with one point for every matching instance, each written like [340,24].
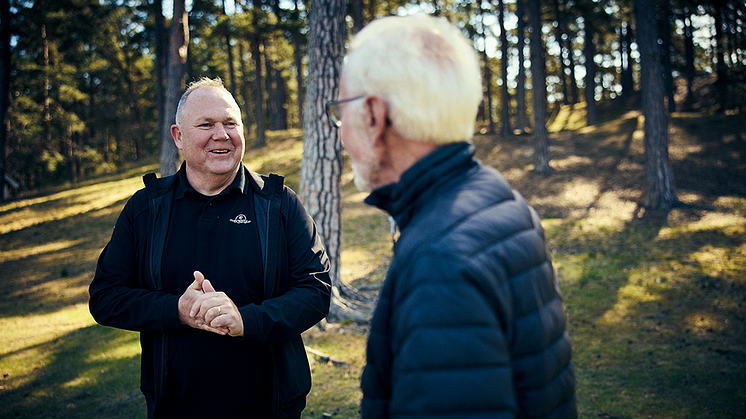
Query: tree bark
[4,86]
[321,168]
[538,90]
[175,80]
[559,35]
[256,52]
[259,117]
[161,54]
[589,51]
[487,113]
[504,93]
[571,64]
[521,119]
[666,53]
[625,40]
[689,55]
[357,15]
[245,91]
[298,60]
[660,193]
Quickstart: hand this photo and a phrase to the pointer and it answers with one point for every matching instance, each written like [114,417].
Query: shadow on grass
[87,374]
[49,265]
[655,301]
[657,318]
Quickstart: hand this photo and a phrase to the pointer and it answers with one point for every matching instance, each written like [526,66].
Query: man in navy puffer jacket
[469,322]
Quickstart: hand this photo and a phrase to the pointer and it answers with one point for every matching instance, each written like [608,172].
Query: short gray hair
[425,69]
[216,83]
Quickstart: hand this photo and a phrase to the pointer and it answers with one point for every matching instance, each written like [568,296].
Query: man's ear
[176,134]
[379,115]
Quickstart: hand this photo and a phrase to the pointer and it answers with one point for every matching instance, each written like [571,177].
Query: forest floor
[656,302]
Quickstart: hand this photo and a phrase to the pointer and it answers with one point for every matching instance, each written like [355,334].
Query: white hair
[424,69]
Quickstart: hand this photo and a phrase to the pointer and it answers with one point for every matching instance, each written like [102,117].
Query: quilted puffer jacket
[469,322]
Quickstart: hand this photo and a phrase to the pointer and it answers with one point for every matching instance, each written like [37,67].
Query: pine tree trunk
[538,90]
[269,78]
[259,117]
[321,168]
[689,54]
[246,90]
[4,86]
[559,34]
[660,193]
[298,60]
[571,64]
[627,81]
[486,107]
[175,79]
[589,51]
[504,93]
[521,119]
[161,53]
[666,50]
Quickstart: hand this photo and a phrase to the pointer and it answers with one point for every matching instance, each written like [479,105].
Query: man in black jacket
[469,321]
[228,346]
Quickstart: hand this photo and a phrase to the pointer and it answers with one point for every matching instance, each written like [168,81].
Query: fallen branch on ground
[325,357]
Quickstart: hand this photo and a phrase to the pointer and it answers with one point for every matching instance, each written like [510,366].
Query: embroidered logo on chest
[240,219]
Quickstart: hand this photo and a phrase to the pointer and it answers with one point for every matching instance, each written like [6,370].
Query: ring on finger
[220,311]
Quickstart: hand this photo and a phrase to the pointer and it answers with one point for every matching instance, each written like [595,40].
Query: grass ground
[655,302]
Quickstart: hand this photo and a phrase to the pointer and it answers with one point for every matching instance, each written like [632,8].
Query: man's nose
[220,132]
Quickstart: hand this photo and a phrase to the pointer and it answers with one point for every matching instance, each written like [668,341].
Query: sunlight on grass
[729,224]
[631,295]
[704,322]
[570,117]
[20,332]
[283,153]
[28,212]
[36,250]
[23,352]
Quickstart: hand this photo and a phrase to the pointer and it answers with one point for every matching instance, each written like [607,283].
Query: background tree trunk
[660,193]
[298,52]
[563,66]
[521,119]
[321,168]
[625,40]
[259,117]
[4,86]
[571,64]
[256,52]
[666,49]
[175,81]
[161,52]
[504,93]
[689,58]
[487,112]
[589,51]
[538,90]
[245,91]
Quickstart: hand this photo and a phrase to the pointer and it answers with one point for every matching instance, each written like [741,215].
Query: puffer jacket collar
[425,178]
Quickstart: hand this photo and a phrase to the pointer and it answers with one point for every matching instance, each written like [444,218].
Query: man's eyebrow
[209,119]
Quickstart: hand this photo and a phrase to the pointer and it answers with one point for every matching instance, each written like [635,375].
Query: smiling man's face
[210,133]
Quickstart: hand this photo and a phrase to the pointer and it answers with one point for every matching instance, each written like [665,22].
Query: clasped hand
[201,307]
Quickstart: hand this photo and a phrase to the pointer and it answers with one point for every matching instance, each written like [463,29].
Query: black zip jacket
[126,291]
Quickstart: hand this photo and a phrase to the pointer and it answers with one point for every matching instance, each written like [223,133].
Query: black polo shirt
[211,375]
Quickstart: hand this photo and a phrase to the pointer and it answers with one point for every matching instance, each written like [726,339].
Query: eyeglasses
[335,112]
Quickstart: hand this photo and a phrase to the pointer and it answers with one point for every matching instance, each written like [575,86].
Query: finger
[199,277]
[232,323]
[207,286]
